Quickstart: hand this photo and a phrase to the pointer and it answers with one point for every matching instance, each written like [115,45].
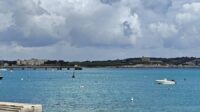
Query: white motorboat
[166,82]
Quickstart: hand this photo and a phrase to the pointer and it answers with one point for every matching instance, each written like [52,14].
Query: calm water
[104,90]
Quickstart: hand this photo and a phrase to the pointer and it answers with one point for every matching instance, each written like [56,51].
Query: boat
[165,81]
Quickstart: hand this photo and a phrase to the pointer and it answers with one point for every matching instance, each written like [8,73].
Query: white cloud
[6,21]
[189,12]
[193,7]
[49,23]
[185,17]
[163,29]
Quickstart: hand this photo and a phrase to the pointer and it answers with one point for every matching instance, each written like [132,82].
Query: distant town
[129,62]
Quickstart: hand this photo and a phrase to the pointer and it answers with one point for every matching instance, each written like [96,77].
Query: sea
[104,89]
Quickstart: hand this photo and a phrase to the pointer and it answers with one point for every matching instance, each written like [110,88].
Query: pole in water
[73,76]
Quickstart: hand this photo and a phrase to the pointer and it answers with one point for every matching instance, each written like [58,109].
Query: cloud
[163,29]
[73,22]
[110,2]
[6,21]
[189,13]
[100,24]
[158,6]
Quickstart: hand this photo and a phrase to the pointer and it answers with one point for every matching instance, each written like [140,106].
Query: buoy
[132,99]
[22,79]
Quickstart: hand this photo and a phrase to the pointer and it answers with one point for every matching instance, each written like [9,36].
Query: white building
[31,62]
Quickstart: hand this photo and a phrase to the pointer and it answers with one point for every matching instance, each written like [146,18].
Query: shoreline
[145,66]
[159,66]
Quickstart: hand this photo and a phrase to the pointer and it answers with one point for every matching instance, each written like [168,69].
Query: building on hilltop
[195,62]
[145,59]
[31,62]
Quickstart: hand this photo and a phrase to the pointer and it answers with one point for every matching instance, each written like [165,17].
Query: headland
[139,62]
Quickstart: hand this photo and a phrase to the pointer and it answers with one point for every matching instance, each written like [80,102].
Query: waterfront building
[31,62]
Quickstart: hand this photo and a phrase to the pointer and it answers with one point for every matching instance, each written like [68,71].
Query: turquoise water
[104,90]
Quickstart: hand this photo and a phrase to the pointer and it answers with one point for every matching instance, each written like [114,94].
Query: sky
[78,30]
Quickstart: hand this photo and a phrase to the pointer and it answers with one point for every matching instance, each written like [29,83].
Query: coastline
[140,62]
[146,66]
[158,66]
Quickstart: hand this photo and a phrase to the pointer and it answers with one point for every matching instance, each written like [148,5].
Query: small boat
[166,82]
